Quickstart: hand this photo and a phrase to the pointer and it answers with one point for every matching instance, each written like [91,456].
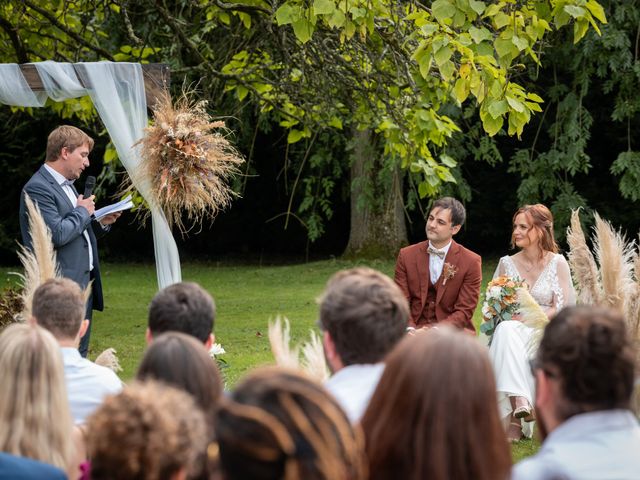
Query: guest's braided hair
[279,424]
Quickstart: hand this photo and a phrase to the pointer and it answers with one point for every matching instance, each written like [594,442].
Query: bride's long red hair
[541,219]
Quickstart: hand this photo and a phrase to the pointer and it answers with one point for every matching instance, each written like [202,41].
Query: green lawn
[247,297]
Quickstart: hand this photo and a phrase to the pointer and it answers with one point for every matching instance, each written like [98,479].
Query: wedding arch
[120,92]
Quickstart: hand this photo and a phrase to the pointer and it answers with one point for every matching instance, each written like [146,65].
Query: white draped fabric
[117,91]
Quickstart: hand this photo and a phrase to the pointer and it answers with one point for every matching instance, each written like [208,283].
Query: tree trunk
[378,228]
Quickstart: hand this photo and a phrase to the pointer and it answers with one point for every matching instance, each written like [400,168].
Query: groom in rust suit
[439,277]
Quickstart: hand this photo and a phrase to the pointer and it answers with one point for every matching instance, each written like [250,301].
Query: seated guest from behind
[149,431]
[183,307]
[279,424]
[59,306]
[363,314]
[584,372]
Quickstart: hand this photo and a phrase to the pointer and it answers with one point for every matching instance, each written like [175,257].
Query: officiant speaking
[69,216]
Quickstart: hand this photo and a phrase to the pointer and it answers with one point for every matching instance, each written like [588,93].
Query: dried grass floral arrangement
[188,161]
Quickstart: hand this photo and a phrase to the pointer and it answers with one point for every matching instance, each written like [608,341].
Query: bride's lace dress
[509,349]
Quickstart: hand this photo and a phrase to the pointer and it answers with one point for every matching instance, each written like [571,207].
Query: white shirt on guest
[436,264]
[58,177]
[598,445]
[87,384]
[353,386]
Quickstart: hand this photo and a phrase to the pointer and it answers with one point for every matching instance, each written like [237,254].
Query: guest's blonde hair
[34,409]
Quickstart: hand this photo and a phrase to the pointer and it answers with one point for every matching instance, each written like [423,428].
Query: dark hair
[435,404]
[541,219]
[148,431]
[278,424]
[458,212]
[365,313]
[59,306]
[589,350]
[182,307]
[66,136]
[181,361]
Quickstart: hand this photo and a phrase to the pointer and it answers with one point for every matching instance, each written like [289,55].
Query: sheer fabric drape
[117,91]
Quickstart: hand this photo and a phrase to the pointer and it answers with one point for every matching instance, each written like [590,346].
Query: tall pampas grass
[583,265]
[533,316]
[614,282]
[313,360]
[39,261]
[615,256]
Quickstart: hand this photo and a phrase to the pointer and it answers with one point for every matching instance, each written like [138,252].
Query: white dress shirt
[601,445]
[436,264]
[87,384]
[58,177]
[353,387]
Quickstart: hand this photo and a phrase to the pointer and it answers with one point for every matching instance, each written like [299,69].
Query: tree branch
[59,25]
[18,46]
[239,7]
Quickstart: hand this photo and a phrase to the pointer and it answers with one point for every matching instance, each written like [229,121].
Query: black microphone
[88,186]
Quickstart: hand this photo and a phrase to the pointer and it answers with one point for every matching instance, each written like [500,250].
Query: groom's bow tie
[433,251]
[67,183]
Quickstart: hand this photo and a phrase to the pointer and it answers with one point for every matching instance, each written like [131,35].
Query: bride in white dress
[549,278]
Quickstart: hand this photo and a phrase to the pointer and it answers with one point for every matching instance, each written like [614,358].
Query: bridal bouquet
[500,302]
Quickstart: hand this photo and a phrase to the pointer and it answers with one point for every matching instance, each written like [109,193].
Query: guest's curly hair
[589,350]
[149,431]
[279,424]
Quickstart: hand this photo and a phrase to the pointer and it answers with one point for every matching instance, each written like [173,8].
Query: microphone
[88,186]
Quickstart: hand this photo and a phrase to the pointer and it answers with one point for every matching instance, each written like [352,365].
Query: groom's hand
[87,203]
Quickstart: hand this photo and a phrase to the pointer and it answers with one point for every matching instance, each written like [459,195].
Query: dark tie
[433,251]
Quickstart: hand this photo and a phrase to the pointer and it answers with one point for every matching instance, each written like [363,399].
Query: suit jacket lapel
[451,258]
[56,186]
[423,271]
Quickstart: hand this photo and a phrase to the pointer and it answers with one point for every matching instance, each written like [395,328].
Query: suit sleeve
[468,296]
[400,276]
[64,229]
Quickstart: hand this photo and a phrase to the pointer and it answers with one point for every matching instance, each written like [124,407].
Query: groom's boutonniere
[449,272]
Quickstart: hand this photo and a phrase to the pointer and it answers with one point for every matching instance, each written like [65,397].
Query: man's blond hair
[66,136]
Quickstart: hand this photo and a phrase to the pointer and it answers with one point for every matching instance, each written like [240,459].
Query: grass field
[247,297]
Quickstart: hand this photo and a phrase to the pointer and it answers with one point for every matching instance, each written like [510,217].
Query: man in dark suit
[439,277]
[68,215]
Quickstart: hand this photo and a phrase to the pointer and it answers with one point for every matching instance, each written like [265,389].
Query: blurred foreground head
[364,314]
[585,363]
[279,424]
[149,431]
[34,410]
[435,404]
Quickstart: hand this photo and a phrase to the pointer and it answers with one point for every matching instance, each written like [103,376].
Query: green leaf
[501,20]
[294,136]
[491,125]
[580,29]
[517,105]
[241,92]
[447,69]
[461,89]
[335,122]
[423,189]
[442,55]
[302,29]
[575,11]
[497,108]
[477,6]
[479,34]
[337,19]
[596,10]
[534,97]
[443,10]
[519,42]
[323,7]
[287,14]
